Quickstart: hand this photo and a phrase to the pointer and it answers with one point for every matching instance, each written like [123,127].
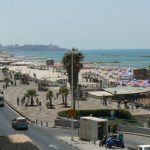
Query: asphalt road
[134,140]
[45,138]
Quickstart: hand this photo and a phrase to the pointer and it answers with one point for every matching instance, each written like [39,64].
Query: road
[45,137]
[134,140]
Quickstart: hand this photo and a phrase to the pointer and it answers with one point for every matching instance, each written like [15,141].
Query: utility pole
[72,81]
[72,105]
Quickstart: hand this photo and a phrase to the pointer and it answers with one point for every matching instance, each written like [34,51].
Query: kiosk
[92,128]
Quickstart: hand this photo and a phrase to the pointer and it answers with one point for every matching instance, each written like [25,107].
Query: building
[141,74]
[50,62]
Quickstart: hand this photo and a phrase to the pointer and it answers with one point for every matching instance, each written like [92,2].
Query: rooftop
[127,90]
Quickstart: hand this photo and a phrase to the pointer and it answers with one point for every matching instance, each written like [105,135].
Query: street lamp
[72,79]
[72,95]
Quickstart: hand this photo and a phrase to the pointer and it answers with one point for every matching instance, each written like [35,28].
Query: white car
[20,123]
[143,147]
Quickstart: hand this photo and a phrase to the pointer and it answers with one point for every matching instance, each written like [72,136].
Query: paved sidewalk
[80,144]
[83,145]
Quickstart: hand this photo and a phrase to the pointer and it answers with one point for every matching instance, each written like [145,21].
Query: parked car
[143,147]
[20,123]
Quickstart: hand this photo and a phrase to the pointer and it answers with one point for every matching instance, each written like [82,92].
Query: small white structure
[92,128]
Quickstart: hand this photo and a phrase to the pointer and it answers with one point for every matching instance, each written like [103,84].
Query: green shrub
[118,113]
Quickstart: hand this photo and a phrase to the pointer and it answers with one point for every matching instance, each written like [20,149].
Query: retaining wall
[65,122]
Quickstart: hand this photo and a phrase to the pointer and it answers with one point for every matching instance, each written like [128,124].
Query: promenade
[49,115]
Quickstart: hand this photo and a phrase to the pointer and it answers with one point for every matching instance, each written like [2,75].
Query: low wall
[65,122]
[134,129]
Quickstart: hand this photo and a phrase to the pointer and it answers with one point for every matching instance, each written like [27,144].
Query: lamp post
[72,95]
[72,79]
[78,92]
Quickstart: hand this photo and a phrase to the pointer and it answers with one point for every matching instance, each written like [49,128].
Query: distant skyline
[83,24]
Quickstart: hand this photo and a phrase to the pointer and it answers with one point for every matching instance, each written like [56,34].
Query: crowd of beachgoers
[120,75]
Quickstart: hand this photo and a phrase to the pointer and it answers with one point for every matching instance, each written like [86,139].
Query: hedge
[118,113]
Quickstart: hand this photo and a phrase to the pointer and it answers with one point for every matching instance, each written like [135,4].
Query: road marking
[53,146]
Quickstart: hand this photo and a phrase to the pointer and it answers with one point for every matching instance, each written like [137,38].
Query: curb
[12,107]
[69,144]
[133,133]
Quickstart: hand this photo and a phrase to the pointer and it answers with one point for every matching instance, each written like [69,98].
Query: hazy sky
[97,24]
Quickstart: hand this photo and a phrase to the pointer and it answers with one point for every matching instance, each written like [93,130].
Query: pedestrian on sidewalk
[15,83]
[57,95]
[40,105]
[26,105]
[11,83]
[23,100]
[37,101]
[119,102]
[105,101]
[18,101]
[132,106]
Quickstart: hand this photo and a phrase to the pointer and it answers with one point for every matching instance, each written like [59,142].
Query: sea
[132,58]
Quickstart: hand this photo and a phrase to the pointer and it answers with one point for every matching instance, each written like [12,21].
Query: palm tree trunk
[65,100]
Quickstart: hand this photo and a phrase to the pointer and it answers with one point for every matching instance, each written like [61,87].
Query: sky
[83,24]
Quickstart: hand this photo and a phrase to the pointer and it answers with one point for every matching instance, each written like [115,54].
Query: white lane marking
[53,146]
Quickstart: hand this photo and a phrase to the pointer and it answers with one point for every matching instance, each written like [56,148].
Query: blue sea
[133,58]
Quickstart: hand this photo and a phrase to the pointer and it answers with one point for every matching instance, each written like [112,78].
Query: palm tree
[61,91]
[30,94]
[5,71]
[64,91]
[75,57]
[49,96]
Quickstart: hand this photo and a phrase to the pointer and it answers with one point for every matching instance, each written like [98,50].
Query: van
[1,100]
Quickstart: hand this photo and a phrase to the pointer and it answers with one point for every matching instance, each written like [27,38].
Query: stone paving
[49,115]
